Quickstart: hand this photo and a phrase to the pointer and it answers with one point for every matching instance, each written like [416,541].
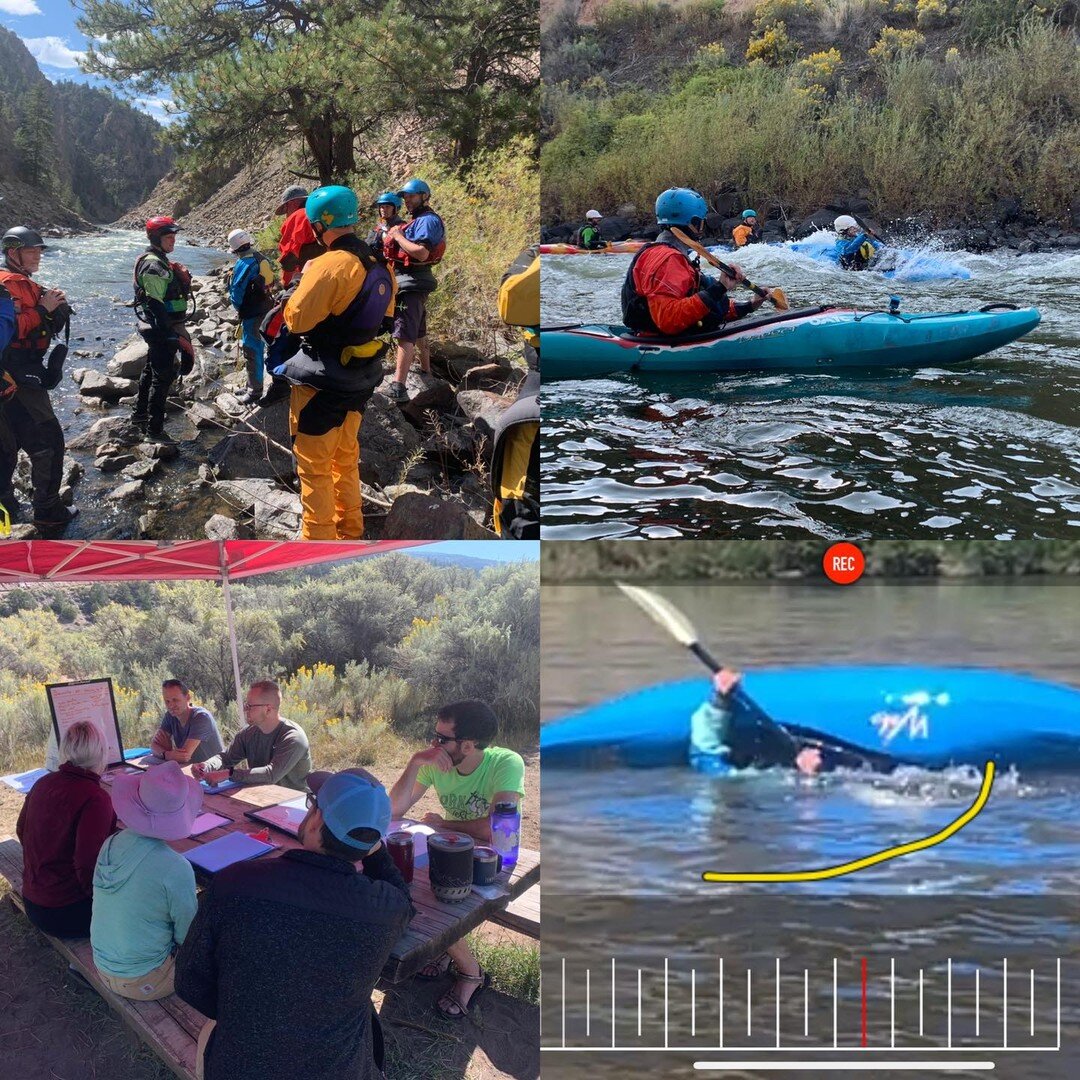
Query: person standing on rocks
[162,291]
[387,206]
[341,304]
[412,250]
[27,420]
[297,243]
[250,292]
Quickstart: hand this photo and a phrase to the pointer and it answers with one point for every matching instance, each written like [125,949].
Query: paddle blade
[662,612]
[779,300]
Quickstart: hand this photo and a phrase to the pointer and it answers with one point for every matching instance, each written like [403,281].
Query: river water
[624,849]
[95,271]
[988,449]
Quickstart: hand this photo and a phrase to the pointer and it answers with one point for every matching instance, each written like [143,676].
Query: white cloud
[52,51]
[161,109]
[19,7]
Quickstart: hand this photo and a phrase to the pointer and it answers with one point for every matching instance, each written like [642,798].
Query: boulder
[155,451]
[129,492]
[415,516]
[616,227]
[202,415]
[96,384]
[276,512]
[114,462]
[387,441]
[129,362]
[820,219]
[249,450]
[496,377]
[458,444]
[437,398]
[220,527]
[483,408]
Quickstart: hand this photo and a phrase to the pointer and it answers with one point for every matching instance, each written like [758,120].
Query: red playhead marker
[843,564]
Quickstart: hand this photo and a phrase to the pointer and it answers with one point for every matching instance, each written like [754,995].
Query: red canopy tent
[77,561]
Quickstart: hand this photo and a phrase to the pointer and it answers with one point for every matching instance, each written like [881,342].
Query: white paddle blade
[663,612]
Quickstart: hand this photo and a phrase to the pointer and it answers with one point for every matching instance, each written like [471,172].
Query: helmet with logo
[388,198]
[681,206]
[21,237]
[332,207]
[414,187]
[159,226]
[845,222]
[240,238]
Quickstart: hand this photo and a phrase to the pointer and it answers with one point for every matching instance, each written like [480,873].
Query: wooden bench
[522,914]
[170,1027]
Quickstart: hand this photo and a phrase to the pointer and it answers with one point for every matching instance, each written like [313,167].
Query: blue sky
[500,550]
[47,29]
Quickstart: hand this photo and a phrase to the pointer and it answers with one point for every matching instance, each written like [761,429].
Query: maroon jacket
[64,821]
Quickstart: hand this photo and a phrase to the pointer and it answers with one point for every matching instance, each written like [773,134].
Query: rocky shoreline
[1009,228]
[423,464]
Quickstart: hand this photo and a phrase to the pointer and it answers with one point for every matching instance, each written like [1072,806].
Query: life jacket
[515,466]
[395,255]
[860,258]
[519,295]
[744,234]
[257,299]
[24,357]
[591,242]
[635,306]
[337,353]
[177,292]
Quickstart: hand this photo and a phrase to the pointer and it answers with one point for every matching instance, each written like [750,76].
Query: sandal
[435,969]
[451,1006]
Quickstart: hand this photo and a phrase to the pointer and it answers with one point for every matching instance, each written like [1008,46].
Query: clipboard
[232,848]
[285,817]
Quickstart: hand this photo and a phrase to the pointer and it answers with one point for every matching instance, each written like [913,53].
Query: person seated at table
[275,749]
[284,953]
[144,891]
[65,819]
[188,733]
[469,776]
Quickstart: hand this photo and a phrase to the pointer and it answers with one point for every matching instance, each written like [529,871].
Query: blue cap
[349,801]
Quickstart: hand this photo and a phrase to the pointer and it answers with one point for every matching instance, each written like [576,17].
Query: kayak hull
[924,716]
[615,247]
[810,340]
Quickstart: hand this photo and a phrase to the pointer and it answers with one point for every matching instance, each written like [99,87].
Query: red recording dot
[843,564]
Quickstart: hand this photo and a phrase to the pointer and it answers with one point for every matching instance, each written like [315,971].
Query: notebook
[219,787]
[208,821]
[233,848]
[285,816]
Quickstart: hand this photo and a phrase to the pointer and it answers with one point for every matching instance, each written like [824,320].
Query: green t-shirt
[466,798]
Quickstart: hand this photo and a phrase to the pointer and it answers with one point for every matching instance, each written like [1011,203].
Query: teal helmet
[680,206]
[748,213]
[388,198]
[332,207]
[414,187]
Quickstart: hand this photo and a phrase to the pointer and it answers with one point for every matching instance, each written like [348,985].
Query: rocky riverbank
[423,465]
[1009,227]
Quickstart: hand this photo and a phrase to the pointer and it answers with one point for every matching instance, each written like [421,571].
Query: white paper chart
[91,701]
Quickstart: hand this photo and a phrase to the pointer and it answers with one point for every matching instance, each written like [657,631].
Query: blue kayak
[808,339]
[924,716]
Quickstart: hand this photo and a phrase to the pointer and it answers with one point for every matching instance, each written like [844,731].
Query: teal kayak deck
[807,339]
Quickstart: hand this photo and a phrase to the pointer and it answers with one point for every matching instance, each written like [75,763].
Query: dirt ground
[52,1027]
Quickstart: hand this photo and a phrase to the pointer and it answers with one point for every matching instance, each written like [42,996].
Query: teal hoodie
[144,901]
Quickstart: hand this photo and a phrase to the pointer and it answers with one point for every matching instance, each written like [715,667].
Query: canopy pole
[232,633]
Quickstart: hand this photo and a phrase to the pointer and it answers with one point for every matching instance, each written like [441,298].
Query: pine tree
[33,139]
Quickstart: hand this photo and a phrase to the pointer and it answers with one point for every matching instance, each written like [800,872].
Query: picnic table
[434,926]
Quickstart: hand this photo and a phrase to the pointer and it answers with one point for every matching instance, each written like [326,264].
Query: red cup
[402,848]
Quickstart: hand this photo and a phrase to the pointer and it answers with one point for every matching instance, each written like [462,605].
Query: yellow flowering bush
[931,12]
[775,12]
[773,48]
[713,55]
[817,74]
[893,43]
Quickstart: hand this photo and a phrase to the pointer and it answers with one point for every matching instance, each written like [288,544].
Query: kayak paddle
[665,614]
[775,297]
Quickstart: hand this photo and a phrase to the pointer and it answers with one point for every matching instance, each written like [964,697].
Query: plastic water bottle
[506,831]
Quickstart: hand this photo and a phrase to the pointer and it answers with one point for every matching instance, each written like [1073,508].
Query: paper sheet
[233,848]
[206,822]
[24,781]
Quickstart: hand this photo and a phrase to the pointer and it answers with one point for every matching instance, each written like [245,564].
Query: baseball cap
[352,800]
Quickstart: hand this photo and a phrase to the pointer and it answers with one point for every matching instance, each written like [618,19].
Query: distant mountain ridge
[102,158]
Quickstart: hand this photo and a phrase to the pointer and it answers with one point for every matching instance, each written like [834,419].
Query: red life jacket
[397,257]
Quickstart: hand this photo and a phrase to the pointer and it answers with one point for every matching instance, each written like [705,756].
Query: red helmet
[157,226]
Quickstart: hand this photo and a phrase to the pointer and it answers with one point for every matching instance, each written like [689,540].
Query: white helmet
[240,238]
[594,215]
[845,221]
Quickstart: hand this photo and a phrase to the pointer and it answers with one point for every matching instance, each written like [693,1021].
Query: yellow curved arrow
[870,860]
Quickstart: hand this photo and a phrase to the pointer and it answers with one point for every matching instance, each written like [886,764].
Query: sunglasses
[255,705]
[312,801]
[441,739]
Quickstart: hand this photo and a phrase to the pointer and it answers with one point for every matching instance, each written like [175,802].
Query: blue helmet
[414,187]
[332,207]
[388,198]
[680,206]
[748,213]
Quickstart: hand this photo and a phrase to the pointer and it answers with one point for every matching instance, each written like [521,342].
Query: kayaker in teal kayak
[730,731]
[855,248]
[665,291]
